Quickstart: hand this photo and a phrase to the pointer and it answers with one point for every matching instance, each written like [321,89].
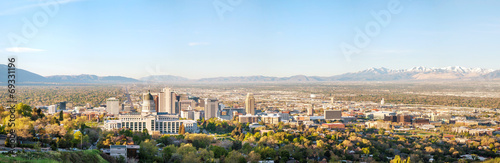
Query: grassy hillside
[90,156]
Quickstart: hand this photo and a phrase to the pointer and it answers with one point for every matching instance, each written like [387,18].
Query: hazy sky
[209,38]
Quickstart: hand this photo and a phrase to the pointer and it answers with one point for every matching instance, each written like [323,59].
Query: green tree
[168,151]
[284,155]
[61,116]
[253,157]
[199,140]
[185,149]
[23,110]
[247,148]
[236,145]
[267,153]
[120,159]
[235,157]
[205,155]
[218,151]
[37,147]
[147,151]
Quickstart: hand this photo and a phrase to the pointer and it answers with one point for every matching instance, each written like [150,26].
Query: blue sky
[255,37]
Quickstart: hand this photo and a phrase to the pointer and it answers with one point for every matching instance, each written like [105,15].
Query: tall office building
[211,108]
[156,100]
[62,105]
[250,104]
[310,110]
[186,105]
[113,106]
[167,98]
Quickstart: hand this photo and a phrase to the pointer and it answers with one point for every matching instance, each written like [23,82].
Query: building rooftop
[113,121]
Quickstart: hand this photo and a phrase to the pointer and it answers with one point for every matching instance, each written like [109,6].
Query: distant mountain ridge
[25,77]
[416,73]
[85,78]
[21,75]
[371,74]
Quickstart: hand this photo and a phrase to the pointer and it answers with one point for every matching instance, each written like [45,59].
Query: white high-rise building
[52,109]
[196,115]
[188,114]
[382,102]
[113,106]
[167,98]
[211,108]
[250,104]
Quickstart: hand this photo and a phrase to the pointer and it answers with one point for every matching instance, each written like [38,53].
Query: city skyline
[226,81]
[138,39]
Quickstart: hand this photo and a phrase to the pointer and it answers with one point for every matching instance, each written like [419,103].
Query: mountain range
[372,74]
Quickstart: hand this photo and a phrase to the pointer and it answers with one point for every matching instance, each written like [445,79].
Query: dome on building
[148,104]
[148,96]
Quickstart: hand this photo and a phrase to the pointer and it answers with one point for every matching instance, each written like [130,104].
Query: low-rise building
[477,132]
[348,119]
[118,150]
[378,124]
[427,127]
[271,119]
[440,117]
[333,125]
[405,119]
[248,118]
[421,121]
[379,115]
[112,124]
[332,114]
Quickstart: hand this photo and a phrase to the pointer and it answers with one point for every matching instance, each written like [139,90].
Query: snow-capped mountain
[456,69]
[416,73]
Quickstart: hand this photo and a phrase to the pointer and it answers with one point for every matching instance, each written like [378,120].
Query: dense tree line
[76,95]
[55,131]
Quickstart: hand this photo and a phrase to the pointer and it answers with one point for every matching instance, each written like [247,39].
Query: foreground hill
[86,156]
